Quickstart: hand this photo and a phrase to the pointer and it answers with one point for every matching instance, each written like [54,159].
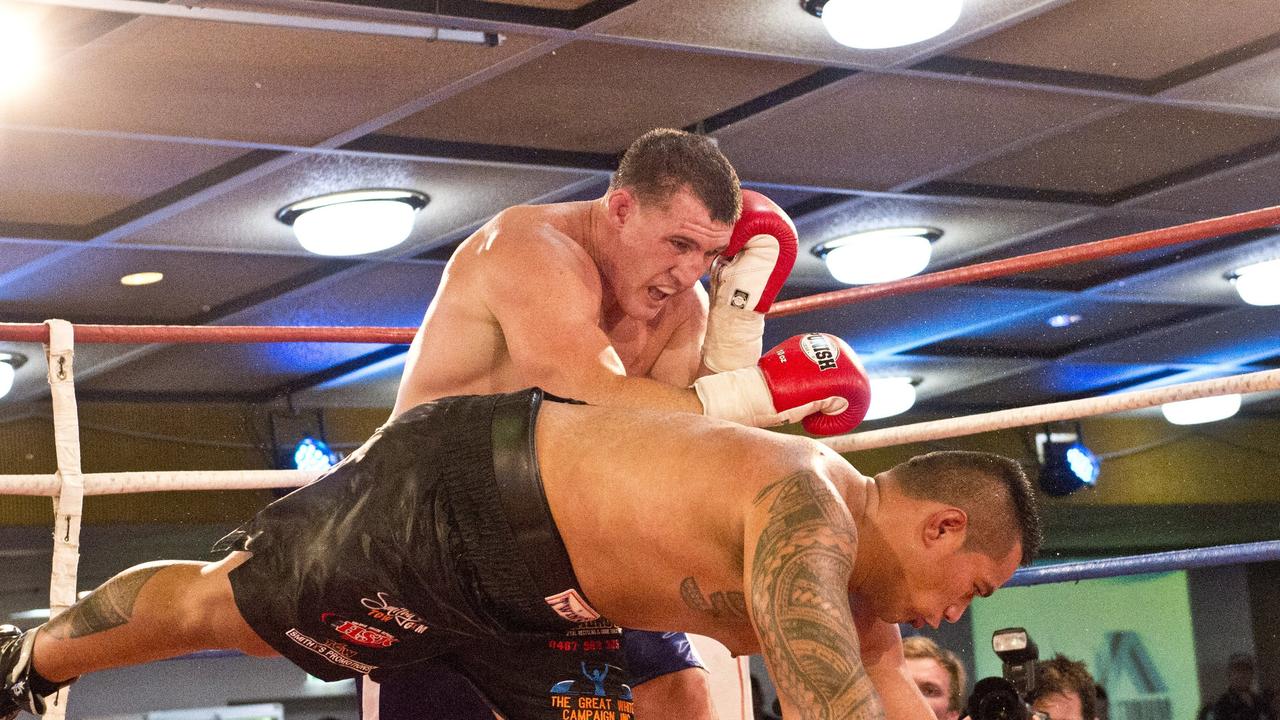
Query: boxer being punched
[472,522]
[600,301]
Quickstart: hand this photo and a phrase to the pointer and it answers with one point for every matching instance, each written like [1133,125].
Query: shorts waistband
[520,492]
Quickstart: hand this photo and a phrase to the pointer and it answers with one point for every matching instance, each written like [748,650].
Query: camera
[1005,698]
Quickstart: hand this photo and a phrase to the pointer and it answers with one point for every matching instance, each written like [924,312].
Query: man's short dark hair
[919,646]
[661,162]
[992,489]
[1064,675]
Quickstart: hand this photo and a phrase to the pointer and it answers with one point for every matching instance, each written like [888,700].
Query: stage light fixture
[1066,463]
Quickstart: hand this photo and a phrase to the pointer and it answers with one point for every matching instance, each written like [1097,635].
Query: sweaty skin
[763,541]
[595,300]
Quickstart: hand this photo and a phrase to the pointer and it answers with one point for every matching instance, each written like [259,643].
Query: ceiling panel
[1052,382]
[1116,153]
[16,254]
[876,132]
[1237,336]
[246,82]
[1140,39]
[1074,325]
[1251,186]
[548,4]
[1248,84]
[905,322]
[88,289]
[461,195]
[53,178]
[593,97]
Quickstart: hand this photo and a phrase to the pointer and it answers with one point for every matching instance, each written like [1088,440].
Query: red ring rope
[142,334]
[1124,244]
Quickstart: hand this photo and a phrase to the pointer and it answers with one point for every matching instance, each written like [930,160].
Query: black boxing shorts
[433,544]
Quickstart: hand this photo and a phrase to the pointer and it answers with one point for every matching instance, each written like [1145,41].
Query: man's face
[944,580]
[1060,706]
[935,684]
[665,248]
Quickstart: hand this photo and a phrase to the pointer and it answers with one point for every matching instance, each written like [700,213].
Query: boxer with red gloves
[814,378]
[745,279]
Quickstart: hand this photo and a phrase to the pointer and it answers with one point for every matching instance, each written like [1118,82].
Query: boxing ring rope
[1265,551]
[1067,410]
[68,485]
[1070,255]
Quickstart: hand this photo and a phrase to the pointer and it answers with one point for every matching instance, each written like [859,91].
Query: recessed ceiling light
[1259,283]
[21,52]
[1065,320]
[355,222]
[891,396]
[1201,410]
[9,364]
[142,278]
[878,255]
[875,24]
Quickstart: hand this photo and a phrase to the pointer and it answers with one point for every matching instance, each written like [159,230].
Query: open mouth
[658,295]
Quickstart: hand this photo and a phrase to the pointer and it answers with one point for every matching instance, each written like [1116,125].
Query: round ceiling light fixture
[9,364]
[878,24]
[356,222]
[876,256]
[1259,283]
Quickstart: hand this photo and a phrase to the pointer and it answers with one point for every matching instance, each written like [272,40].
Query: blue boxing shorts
[432,691]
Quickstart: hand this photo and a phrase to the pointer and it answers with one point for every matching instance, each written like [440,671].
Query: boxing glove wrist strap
[738,395]
[735,338]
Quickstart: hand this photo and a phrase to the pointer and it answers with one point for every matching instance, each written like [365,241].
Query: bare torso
[462,347]
[653,510]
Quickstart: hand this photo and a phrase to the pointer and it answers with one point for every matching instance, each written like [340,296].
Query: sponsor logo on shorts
[334,652]
[358,632]
[596,627]
[382,608]
[570,606]
[739,299]
[820,350]
[599,694]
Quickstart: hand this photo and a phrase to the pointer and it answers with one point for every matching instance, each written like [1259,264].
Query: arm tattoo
[111,605]
[729,604]
[799,601]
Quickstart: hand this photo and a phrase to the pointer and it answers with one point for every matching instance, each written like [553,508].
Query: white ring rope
[120,483]
[1052,412]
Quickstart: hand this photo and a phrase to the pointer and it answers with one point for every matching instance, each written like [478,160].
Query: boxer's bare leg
[148,612]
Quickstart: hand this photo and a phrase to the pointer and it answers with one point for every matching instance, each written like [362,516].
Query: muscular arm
[797,584]
[881,645]
[546,299]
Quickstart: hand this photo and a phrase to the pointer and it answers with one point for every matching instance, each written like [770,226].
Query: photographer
[1064,690]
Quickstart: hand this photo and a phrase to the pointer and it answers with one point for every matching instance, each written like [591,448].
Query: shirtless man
[472,521]
[600,301]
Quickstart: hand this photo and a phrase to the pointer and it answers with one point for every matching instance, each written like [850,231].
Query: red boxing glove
[818,377]
[814,378]
[745,280]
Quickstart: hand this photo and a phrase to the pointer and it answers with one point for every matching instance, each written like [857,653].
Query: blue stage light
[1066,467]
[313,454]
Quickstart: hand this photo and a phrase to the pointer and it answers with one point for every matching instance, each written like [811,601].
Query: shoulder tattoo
[800,604]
